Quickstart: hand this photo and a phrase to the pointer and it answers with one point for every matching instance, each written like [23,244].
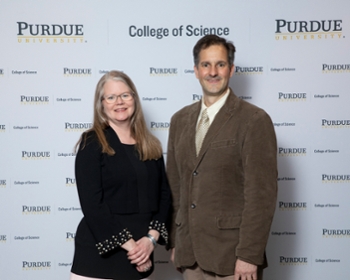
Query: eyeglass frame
[117,96]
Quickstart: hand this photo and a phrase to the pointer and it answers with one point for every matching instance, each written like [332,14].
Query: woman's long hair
[147,144]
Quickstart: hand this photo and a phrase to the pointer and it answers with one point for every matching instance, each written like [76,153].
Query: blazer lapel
[192,124]
[221,118]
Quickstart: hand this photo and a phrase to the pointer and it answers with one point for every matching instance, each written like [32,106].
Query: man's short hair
[210,40]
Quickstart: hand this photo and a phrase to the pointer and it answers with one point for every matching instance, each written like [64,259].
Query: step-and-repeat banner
[293,60]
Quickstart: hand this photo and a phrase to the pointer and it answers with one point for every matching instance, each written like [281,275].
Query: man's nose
[213,71]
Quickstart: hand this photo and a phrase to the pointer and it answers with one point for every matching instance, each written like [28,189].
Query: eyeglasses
[126,96]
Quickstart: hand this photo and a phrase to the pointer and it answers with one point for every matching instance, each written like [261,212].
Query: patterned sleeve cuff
[160,227]
[116,241]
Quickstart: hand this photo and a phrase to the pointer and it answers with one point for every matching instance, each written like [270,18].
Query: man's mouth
[213,80]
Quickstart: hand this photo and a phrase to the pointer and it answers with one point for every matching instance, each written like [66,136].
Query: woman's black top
[121,198]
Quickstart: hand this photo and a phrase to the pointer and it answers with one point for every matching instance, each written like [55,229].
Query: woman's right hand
[140,254]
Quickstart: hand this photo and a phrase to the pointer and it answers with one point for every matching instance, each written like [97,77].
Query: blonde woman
[122,186]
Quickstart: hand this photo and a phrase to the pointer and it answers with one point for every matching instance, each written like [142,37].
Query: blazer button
[193,205]
[195,173]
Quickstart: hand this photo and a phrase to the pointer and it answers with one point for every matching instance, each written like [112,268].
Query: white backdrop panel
[301,77]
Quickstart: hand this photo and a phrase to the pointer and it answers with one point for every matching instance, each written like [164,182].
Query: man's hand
[172,258]
[245,271]
[172,255]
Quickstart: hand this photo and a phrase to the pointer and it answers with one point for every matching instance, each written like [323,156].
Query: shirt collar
[215,108]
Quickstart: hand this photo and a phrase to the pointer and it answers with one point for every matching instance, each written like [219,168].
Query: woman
[122,187]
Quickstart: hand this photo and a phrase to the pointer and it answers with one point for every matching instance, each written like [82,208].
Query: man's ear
[232,70]
[195,71]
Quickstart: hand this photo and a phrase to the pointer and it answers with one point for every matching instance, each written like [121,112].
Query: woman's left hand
[145,267]
[140,254]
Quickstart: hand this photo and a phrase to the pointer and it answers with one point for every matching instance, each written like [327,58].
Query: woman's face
[122,107]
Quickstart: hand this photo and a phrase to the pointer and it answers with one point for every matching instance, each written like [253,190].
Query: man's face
[213,70]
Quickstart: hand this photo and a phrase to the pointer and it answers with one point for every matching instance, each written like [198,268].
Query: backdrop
[293,60]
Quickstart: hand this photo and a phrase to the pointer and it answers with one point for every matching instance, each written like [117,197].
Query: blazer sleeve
[259,152]
[161,217]
[108,233]
[174,181]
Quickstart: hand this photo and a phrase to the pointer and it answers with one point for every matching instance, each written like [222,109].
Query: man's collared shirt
[214,108]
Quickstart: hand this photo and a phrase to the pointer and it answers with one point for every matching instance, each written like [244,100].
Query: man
[225,185]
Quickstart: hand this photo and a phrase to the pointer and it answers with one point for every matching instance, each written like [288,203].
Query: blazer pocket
[222,144]
[228,222]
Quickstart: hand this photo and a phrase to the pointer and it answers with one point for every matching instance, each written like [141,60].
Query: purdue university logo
[36,209]
[40,265]
[308,29]
[49,33]
[292,206]
[336,233]
[34,100]
[293,260]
